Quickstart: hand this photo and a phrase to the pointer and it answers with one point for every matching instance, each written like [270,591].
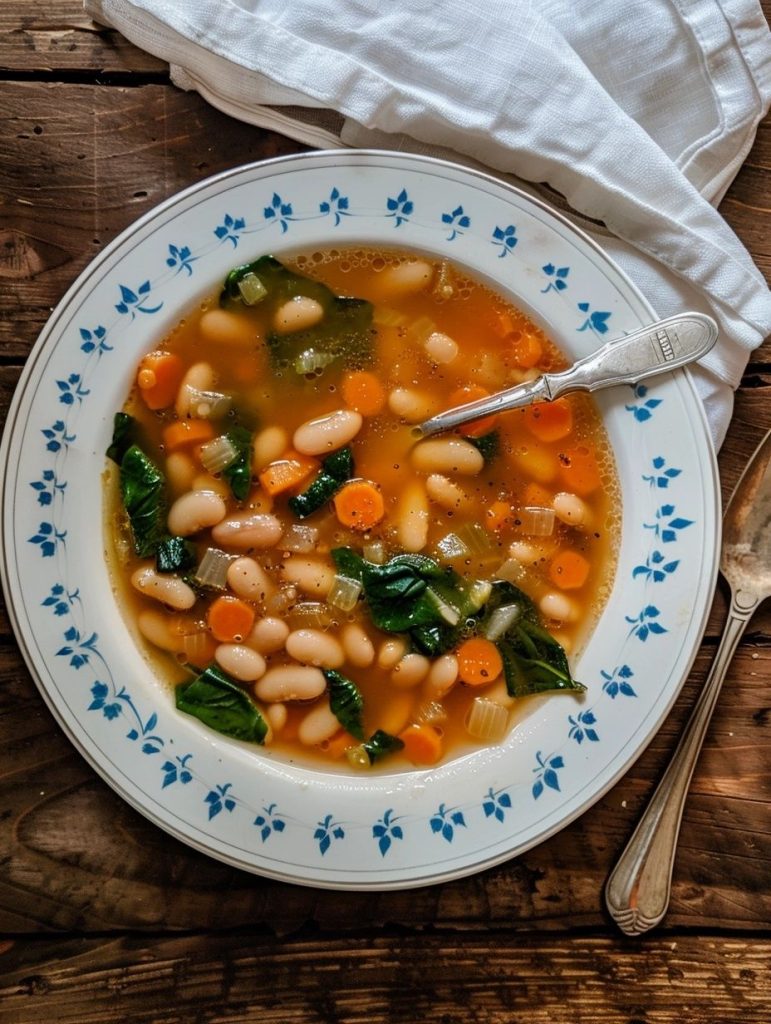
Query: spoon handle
[638,889]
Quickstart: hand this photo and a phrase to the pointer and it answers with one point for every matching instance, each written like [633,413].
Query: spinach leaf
[123,436]
[174,554]
[344,334]
[381,743]
[239,473]
[217,701]
[142,488]
[346,702]
[335,470]
[488,444]
[533,661]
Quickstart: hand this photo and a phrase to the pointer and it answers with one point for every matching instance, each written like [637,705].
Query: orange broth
[567,572]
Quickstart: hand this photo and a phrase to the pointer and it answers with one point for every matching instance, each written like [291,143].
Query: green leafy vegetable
[533,661]
[488,444]
[123,436]
[174,554]
[143,491]
[239,472]
[217,701]
[381,743]
[346,702]
[344,333]
[335,470]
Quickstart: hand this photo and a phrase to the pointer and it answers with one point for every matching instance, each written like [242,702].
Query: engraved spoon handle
[638,889]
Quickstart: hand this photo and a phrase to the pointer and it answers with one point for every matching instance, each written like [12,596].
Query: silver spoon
[637,891]
[657,348]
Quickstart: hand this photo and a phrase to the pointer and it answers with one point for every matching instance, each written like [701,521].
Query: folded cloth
[638,113]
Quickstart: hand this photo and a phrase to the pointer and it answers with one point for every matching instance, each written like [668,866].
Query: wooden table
[105,918]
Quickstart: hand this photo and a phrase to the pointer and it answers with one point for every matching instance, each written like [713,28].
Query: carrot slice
[291,470]
[422,744]
[579,471]
[359,505]
[158,377]
[569,570]
[504,325]
[338,744]
[470,393]
[187,432]
[549,421]
[230,619]
[479,661]
[499,515]
[526,350]
[363,392]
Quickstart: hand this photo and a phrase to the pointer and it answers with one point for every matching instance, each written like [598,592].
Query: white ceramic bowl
[263,814]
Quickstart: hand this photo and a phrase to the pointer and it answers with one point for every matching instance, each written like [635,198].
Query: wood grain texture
[388,979]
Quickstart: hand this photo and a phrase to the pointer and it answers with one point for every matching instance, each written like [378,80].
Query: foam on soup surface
[315,579]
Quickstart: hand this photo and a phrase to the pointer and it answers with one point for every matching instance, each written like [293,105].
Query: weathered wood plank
[56,35]
[390,979]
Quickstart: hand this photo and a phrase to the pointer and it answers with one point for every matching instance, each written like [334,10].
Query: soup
[310,574]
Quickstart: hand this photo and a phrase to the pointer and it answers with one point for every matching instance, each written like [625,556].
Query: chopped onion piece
[252,289]
[451,547]
[512,571]
[311,615]
[431,713]
[384,317]
[280,602]
[344,593]
[300,539]
[487,720]
[450,614]
[218,454]
[420,329]
[476,538]
[479,594]
[311,360]
[213,569]
[357,757]
[538,522]
[207,405]
[196,647]
[375,552]
[501,620]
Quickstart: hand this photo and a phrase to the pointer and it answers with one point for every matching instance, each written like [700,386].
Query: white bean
[391,651]
[240,661]
[157,628]
[571,509]
[447,455]
[315,647]
[195,511]
[318,725]
[269,445]
[558,607]
[167,589]
[200,377]
[248,530]
[298,314]
[396,715]
[440,347]
[207,482]
[180,471]
[247,579]
[405,278]
[442,676]
[225,327]
[310,575]
[447,494]
[291,682]
[358,647]
[412,405]
[325,434]
[268,635]
[411,517]
[276,715]
[411,670]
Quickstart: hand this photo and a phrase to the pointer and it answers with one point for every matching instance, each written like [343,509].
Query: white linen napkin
[638,112]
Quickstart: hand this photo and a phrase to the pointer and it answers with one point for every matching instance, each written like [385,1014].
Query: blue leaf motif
[505,238]
[399,208]
[385,831]
[557,278]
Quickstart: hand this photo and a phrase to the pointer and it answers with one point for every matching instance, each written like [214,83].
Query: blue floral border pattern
[80,646]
